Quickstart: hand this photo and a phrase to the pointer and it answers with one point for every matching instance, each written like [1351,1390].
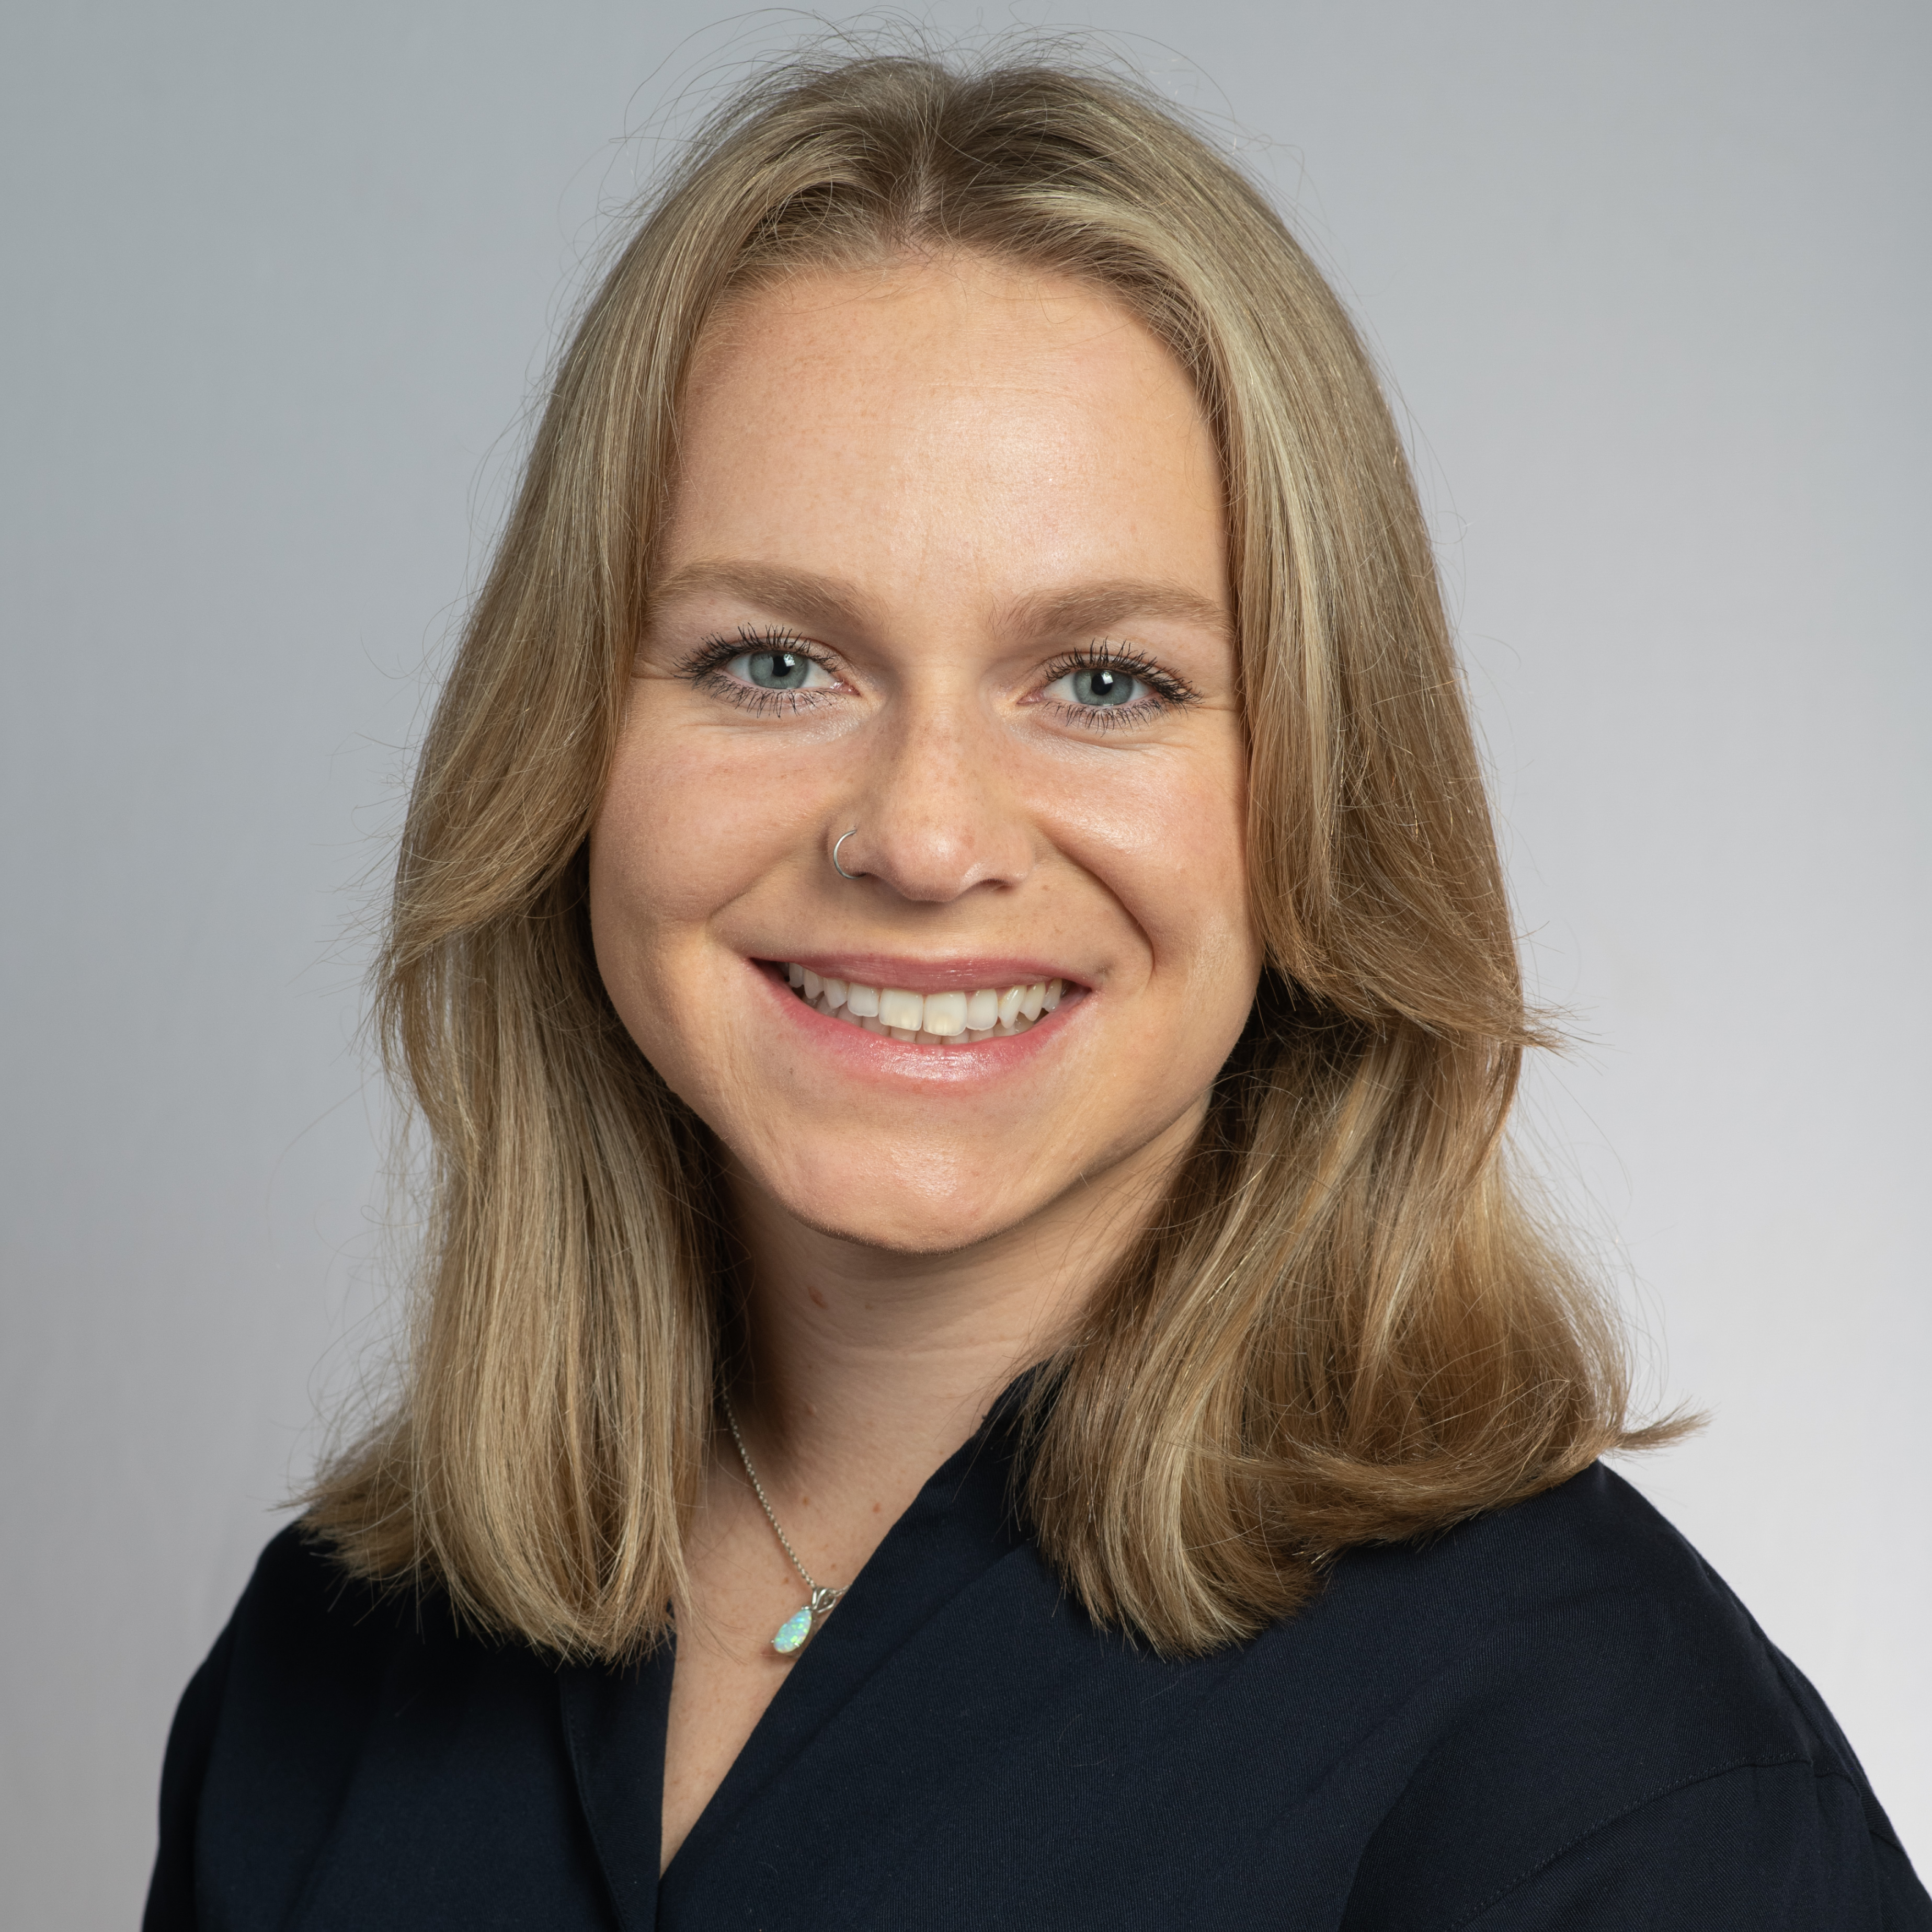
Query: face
[946,572]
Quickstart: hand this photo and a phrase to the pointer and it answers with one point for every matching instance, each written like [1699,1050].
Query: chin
[881,1212]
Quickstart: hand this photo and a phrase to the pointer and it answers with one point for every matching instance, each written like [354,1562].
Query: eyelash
[1168,693]
[705,668]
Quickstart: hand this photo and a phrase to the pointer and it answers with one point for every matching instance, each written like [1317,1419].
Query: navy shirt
[1554,1716]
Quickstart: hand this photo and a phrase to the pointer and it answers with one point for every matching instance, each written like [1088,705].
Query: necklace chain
[816,1588]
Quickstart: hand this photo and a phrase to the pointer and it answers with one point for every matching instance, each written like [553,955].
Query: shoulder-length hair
[1341,1326]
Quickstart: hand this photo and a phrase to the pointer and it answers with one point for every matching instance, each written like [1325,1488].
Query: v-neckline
[616,1721]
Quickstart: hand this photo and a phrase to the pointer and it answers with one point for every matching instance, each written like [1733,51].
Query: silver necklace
[802,1626]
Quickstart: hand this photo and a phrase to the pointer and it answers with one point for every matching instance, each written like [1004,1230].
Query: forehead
[953,418]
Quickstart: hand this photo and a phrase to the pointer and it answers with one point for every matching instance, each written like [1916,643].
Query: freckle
[875,1509]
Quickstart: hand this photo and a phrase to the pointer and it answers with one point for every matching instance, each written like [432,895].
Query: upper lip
[928,976]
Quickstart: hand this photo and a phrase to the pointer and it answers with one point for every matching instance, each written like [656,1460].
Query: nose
[935,814]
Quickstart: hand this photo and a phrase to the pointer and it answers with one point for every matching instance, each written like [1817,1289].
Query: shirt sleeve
[171,1891]
[1780,1847]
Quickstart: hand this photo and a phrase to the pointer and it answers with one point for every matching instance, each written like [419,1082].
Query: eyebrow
[814,598]
[1096,607]
[803,594]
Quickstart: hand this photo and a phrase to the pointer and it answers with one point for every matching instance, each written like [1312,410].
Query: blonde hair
[1342,1326]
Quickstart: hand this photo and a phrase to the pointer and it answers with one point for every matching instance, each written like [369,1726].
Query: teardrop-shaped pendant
[794,1633]
[802,1626]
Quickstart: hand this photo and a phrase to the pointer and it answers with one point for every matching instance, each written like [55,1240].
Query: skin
[939,479]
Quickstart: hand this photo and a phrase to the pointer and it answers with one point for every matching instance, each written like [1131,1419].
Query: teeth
[945,1014]
[900,1011]
[931,1019]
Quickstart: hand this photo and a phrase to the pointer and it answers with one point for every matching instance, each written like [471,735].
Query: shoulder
[1568,1675]
[297,1577]
[319,1656]
[304,1619]
[353,1738]
[309,1650]
[267,1730]
[1584,1596]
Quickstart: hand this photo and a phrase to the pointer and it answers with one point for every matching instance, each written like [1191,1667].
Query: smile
[953,1019]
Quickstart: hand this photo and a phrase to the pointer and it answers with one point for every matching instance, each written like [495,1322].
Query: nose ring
[835,866]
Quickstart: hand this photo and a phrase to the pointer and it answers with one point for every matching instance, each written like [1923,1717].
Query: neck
[867,1368]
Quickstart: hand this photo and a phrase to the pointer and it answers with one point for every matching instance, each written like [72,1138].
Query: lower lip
[879,1053]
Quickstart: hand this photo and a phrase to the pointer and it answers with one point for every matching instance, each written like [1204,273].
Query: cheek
[1205,940]
[1170,844]
[669,848]
[686,828]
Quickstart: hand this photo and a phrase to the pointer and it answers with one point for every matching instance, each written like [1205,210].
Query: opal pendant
[802,1626]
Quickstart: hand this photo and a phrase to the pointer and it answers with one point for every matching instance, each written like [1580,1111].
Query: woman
[979,1363]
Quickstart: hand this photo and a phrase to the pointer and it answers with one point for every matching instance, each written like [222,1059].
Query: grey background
[1652,281]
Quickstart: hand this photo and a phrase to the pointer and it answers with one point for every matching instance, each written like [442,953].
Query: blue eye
[1098,687]
[779,670]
